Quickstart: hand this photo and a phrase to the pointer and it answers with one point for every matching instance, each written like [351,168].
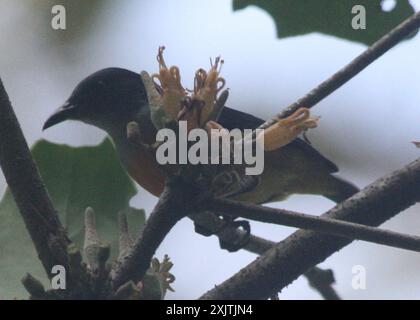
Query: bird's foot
[286,130]
[235,235]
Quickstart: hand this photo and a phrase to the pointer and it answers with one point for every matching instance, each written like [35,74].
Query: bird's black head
[105,98]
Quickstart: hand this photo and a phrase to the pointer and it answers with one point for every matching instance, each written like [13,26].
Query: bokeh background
[366,126]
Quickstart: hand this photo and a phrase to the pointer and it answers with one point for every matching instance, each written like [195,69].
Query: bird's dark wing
[232,119]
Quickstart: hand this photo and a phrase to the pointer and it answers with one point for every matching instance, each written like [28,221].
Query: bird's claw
[230,239]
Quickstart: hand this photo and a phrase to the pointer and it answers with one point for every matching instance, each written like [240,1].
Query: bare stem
[28,190]
[339,228]
[352,69]
[290,258]
[173,205]
[259,246]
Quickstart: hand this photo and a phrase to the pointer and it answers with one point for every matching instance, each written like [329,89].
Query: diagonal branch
[258,245]
[173,205]
[319,279]
[339,228]
[352,69]
[28,190]
[304,249]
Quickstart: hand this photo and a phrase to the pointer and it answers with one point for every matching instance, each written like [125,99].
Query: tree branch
[316,276]
[339,228]
[28,190]
[304,249]
[352,69]
[175,203]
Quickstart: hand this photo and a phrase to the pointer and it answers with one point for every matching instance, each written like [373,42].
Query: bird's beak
[65,112]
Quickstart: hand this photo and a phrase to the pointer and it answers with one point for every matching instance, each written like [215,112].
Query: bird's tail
[340,189]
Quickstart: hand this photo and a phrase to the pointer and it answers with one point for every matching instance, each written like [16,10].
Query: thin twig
[339,228]
[304,249]
[259,246]
[352,69]
[28,190]
[319,93]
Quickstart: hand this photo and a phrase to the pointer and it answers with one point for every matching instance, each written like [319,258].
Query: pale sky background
[366,126]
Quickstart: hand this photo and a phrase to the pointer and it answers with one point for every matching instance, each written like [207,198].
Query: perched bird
[113,97]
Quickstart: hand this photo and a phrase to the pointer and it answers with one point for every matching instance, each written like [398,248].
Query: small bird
[111,98]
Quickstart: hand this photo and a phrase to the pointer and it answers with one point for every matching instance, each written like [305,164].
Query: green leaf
[76,178]
[332,17]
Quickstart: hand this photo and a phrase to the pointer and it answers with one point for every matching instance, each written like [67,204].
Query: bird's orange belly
[144,170]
